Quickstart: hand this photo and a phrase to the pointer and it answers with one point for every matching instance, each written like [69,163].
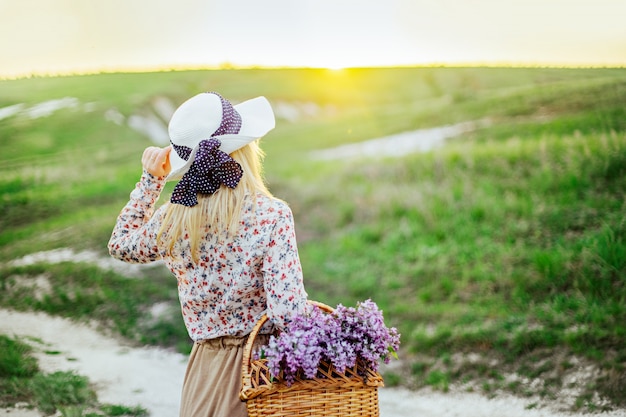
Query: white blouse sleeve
[282,271]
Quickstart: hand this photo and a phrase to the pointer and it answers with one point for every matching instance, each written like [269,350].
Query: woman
[230,244]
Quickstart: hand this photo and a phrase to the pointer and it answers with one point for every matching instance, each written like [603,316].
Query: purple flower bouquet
[341,338]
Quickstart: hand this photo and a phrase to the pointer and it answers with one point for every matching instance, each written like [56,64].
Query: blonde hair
[221,211]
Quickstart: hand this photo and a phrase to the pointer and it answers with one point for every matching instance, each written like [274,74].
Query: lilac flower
[341,337]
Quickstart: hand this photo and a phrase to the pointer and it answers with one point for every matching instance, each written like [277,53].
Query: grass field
[506,245]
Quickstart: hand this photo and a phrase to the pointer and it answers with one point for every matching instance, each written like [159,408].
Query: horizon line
[226,66]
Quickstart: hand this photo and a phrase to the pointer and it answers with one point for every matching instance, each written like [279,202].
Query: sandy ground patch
[151,377]
[398,145]
[55,256]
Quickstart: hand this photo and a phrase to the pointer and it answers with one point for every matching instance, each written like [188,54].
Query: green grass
[15,359]
[86,292]
[509,243]
[66,392]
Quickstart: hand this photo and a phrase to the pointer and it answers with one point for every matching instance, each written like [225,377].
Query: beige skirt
[213,379]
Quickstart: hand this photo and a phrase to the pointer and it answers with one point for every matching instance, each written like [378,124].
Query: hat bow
[210,169]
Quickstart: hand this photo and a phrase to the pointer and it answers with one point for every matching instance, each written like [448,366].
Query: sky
[76,36]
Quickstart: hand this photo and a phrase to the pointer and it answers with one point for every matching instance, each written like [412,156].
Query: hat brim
[257,119]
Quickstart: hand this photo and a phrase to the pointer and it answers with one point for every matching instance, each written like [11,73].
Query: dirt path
[401,144]
[152,377]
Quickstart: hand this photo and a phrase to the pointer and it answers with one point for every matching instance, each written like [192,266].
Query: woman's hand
[157,161]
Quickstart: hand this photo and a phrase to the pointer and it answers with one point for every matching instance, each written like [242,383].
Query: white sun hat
[209,115]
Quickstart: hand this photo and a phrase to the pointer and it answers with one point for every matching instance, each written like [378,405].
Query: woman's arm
[282,272]
[134,235]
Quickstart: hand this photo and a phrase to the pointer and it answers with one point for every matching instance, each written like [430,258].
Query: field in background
[506,245]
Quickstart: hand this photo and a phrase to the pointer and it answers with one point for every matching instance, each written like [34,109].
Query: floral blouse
[234,283]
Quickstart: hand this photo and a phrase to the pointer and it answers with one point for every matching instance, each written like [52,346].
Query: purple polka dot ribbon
[231,120]
[210,168]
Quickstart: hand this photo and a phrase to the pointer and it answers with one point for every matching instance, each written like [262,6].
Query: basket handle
[247,351]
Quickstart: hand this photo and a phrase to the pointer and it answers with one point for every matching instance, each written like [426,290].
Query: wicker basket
[347,394]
